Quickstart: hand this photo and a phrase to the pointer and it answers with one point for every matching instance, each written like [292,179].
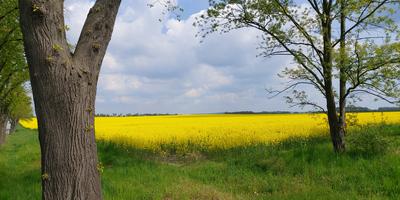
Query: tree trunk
[337,130]
[13,125]
[336,127]
[66,134]
[336,133]
[343,68]
[3,128]
[64,90]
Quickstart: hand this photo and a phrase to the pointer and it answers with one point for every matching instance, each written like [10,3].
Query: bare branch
[276,93]
[303,104]
[374,93]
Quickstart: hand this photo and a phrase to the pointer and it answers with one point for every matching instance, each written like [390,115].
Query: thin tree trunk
[64,90]
[13,125]
[343,76]
[3,128]
[337,136]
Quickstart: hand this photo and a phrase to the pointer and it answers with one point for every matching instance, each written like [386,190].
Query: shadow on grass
[315,149]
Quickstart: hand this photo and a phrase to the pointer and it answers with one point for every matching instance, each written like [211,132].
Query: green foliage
[168,7]
[352,120]
[21,105]
[367,143]
[13,67]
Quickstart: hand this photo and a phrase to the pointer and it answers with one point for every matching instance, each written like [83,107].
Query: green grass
[294,169]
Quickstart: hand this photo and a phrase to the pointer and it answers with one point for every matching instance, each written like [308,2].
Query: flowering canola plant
[215,131]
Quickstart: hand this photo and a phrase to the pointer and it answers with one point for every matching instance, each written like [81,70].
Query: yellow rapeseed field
[215,131]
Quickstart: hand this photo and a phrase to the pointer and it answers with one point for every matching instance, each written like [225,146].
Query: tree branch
[276,93]
[8,12]
[96,34]
[294,54]
[361,19]
[302,104]
[373,93]
[300,28]
[6,38]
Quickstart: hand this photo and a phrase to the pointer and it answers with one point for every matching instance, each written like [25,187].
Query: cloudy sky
[160,67]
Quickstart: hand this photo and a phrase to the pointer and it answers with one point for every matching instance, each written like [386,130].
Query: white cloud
[110,63]
[157,66]
[123,99]
[162,67]
[194,92]
[208,77]
[119,83]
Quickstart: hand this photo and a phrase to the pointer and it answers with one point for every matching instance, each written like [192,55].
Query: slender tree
[306,31]
[19,108]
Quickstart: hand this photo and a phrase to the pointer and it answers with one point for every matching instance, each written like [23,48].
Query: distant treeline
[132,114]
[389,109]
[348,109]
[262,112]
[365,109]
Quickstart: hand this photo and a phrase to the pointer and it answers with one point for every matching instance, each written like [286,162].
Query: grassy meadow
[293,168]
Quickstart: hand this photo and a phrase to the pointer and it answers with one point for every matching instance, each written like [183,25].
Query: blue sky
[161,67]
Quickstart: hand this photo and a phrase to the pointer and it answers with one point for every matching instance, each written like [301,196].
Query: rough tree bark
[3,128]
[337,135]
[64,90]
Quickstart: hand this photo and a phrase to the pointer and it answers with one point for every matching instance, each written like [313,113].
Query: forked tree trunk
[64,90]
[337,134]
[3,128]
[336,127]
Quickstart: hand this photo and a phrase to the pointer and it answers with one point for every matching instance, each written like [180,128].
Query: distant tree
[389,109]
[350,42]
[13,68]
[353,108]
[20,107]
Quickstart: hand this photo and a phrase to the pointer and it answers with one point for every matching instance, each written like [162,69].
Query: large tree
[13,67]
[64,84]
[348,42]
[64,89]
